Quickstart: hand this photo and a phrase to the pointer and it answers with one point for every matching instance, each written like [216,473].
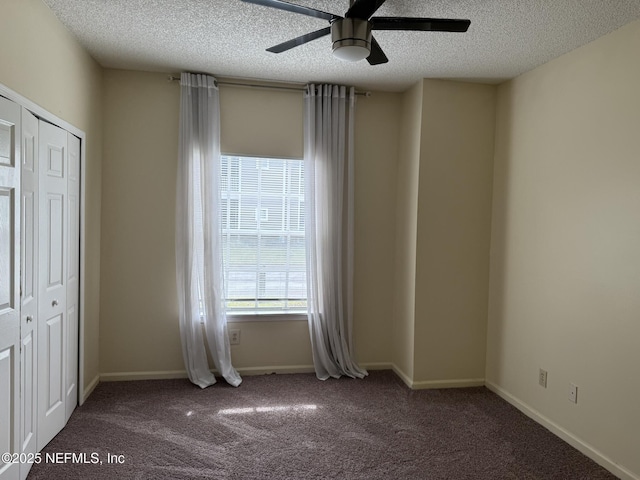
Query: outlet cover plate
[573,393]
[542,378]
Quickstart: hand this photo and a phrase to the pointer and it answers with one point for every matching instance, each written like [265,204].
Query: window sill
[266,317]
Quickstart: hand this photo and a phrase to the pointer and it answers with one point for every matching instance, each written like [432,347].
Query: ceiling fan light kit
[351,39]
[351,34]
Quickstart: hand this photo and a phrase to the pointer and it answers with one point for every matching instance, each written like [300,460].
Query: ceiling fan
[351,34]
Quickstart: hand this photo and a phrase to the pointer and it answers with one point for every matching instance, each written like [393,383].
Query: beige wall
[406,226]
[445,167]
[40,60]
[261,122]
[565,265]
[445,341]
[453,231]
[139,328]
[377,130]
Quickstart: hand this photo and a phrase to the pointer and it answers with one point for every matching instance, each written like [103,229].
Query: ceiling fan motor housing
[350,32]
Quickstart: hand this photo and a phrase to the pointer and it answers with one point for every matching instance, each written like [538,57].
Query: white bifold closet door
[39,283]
[52,281]
[58,279]
[29,285]
[9,286]
[73,275]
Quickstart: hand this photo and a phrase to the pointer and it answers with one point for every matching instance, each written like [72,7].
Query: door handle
[54,303]
[29,318]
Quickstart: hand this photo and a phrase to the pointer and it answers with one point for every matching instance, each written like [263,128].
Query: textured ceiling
[228,38]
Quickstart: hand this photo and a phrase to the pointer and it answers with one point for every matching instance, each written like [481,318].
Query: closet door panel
[73,273]
[9,285]
[29,284]
[52,280]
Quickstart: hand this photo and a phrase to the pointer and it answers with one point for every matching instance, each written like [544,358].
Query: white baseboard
[570,438]
[432,384]
[90,388]
[172,374]
[283,369]
[156,375]
[455,383]
[377,366]
[403,376]
[279,369]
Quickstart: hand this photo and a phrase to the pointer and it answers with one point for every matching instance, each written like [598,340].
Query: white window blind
[263,235]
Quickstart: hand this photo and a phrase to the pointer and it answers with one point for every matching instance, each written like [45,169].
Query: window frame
[264,316]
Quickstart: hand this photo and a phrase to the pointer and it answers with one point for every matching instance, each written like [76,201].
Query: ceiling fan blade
[283,47]
[363,8]
[290,7]
[377,56]
[420,24]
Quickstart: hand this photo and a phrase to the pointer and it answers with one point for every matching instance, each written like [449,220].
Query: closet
[39,283]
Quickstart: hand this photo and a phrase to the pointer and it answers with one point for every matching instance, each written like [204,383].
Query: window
[263,235]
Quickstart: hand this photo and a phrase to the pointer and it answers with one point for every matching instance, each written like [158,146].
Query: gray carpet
[297,427]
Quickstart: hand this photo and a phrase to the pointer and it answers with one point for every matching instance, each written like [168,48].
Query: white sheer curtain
[328,157]
[198,233]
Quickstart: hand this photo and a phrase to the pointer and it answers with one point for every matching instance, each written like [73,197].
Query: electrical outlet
[234,337]
[542,378]
[573,393]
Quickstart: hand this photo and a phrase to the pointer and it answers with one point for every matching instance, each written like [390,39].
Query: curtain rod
[171,78]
